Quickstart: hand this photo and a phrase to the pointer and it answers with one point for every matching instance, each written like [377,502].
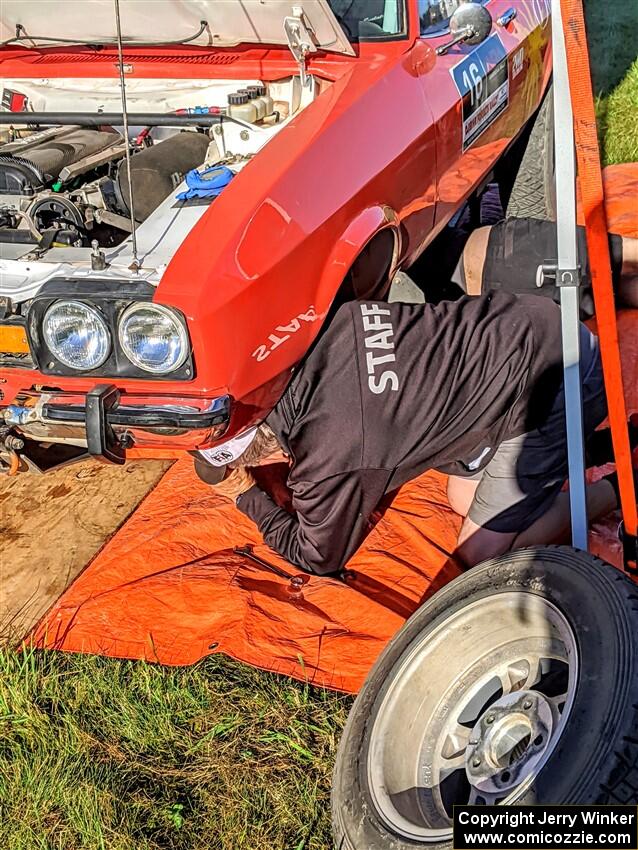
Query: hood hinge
[300,40]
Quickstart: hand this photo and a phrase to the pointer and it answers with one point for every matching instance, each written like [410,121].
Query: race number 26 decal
[483,83]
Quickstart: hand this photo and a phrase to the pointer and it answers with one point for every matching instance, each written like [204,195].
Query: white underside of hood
[229,22]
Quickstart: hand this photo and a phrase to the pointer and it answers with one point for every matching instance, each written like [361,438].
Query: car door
[482,95]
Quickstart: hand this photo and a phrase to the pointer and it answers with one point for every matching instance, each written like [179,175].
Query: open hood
[228,22]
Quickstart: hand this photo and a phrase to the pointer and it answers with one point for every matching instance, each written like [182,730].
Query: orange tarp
[169,588]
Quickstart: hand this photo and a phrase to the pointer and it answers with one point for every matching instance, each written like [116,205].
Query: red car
[325,143]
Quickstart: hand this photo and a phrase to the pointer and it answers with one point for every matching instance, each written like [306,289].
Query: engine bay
[68,186]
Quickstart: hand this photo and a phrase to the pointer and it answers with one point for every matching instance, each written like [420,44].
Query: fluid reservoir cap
[238,98]
[254,91]
[261,90]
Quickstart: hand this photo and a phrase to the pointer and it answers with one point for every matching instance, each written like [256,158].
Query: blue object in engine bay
[207,183]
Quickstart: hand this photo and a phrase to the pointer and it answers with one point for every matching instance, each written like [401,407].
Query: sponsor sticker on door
[482,80]
[517,62]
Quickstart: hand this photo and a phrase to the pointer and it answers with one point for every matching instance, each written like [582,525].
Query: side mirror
[470,22]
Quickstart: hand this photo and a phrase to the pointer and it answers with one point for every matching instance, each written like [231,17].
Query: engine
[68,186]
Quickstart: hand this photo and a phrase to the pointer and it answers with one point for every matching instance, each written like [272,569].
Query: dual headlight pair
[151,336]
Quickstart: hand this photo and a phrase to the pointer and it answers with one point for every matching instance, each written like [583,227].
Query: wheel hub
[508,741]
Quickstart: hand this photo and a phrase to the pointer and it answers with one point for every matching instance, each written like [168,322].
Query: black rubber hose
[110,119]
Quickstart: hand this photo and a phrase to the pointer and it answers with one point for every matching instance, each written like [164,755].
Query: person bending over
[472,388]
[506,256]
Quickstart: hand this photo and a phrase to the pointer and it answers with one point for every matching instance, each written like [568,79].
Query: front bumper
[107,423]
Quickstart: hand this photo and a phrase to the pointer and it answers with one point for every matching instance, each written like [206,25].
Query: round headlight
[153,338]
[76,335]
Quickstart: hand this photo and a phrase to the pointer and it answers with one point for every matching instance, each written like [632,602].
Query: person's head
[263,449]
[255,447]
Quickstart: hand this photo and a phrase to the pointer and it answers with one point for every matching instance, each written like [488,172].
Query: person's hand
[238,482]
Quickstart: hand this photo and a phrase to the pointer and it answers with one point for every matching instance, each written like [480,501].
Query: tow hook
[19,414]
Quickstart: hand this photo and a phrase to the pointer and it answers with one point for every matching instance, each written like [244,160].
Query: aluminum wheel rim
[474,711]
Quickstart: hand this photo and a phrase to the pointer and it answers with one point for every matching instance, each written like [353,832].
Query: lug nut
[476,762]
[490,719]
[528,704]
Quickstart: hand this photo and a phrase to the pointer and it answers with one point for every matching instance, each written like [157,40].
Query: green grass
[611,28]
[618,120]
[113,755]
[611,34]
[106,755]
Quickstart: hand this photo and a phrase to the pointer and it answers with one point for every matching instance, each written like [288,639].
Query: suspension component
[13,443]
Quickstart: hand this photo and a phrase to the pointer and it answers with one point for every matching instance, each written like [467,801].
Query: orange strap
[593,206]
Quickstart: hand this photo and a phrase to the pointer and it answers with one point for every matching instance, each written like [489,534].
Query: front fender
[257,274]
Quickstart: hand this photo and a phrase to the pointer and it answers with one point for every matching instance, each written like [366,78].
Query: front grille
[103,57]
[16,361]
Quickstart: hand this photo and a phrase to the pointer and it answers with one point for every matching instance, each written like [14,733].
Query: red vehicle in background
[329,142]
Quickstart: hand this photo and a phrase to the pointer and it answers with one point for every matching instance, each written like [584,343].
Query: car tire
[533,193]
[584,609]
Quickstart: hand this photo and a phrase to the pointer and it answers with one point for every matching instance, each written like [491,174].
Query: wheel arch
[373,223]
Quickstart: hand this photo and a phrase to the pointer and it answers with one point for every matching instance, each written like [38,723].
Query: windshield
[370,20]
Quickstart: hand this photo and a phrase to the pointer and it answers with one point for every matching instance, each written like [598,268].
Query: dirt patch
[52,525]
